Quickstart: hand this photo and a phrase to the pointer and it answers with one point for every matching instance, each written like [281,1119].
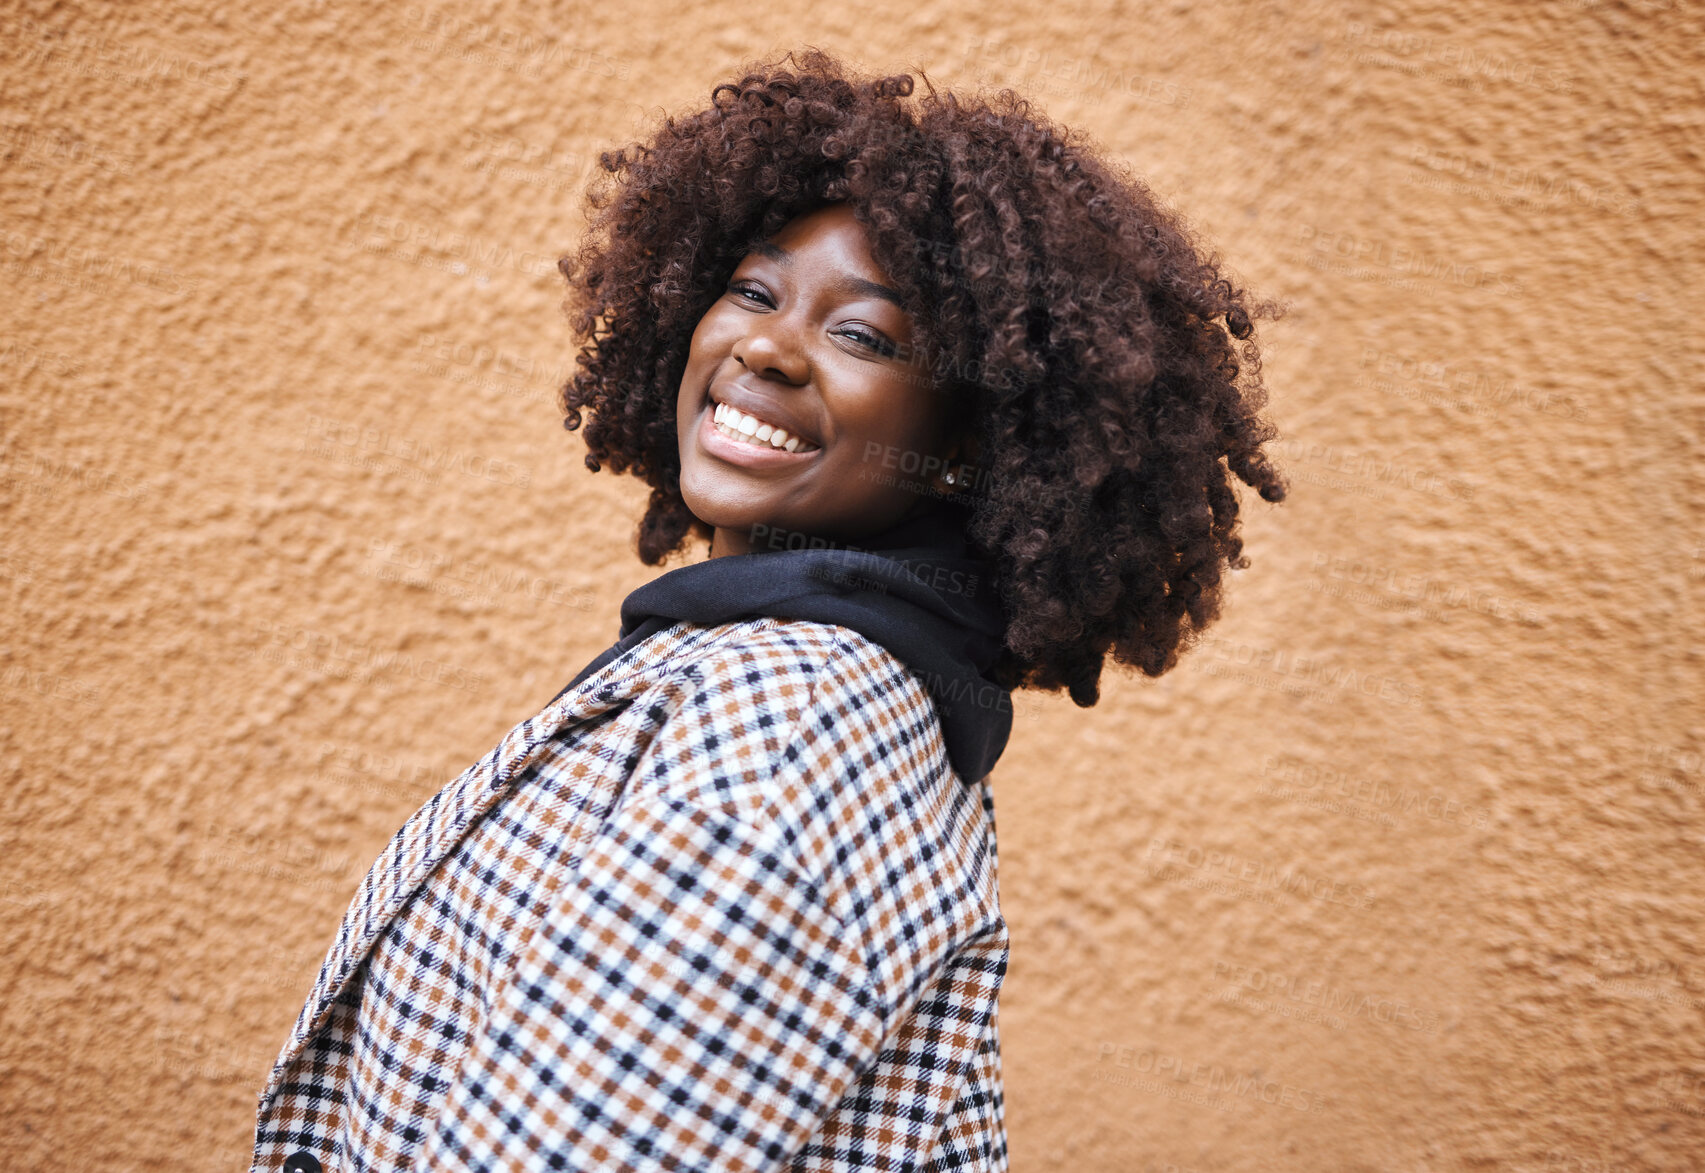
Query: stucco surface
[1400,870]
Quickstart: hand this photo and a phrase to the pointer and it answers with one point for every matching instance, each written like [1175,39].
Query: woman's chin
[721,513]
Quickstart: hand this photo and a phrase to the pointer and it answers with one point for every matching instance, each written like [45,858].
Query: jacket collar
[919,589]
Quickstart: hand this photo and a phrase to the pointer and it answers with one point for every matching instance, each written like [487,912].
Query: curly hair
[1108,366]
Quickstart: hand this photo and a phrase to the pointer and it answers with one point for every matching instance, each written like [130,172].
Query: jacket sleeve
[706,986]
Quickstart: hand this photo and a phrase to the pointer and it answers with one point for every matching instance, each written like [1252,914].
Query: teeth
[737,424]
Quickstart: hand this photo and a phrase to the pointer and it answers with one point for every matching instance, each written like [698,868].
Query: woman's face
[805,340]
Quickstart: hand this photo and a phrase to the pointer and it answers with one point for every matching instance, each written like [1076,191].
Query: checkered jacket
[723,905]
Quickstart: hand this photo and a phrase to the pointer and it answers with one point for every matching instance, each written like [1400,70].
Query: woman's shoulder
[775,658]
[768,694]
[822,737]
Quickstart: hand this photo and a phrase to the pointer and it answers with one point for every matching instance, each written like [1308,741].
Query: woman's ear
[960,458]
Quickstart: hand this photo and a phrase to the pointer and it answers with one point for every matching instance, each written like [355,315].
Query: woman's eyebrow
[856,286]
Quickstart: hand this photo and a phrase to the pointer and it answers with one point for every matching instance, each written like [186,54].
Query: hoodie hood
[916,588]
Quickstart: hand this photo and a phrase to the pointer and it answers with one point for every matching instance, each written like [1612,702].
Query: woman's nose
[772,351]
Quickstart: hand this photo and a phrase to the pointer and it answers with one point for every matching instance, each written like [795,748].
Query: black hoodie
[915,588]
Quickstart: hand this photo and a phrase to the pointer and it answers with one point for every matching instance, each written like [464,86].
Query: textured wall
[1399,871]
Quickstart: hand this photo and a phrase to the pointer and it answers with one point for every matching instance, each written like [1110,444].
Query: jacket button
[303,1162]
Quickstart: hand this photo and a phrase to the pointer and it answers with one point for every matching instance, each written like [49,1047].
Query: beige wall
[1401,871]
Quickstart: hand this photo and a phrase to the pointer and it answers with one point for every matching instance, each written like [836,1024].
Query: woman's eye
[867,339]
[751,292]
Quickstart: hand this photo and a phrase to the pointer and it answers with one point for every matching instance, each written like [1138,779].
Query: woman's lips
[753,417]
[744,452]
[740,425]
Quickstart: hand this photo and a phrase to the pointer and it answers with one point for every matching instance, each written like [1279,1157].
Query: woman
[956,408]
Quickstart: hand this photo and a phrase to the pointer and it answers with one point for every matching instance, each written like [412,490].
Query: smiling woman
[957,408]
[804,342]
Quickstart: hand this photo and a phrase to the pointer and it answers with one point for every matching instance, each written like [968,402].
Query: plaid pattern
[722,906]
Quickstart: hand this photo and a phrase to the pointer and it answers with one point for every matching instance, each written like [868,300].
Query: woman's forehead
[830,234]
